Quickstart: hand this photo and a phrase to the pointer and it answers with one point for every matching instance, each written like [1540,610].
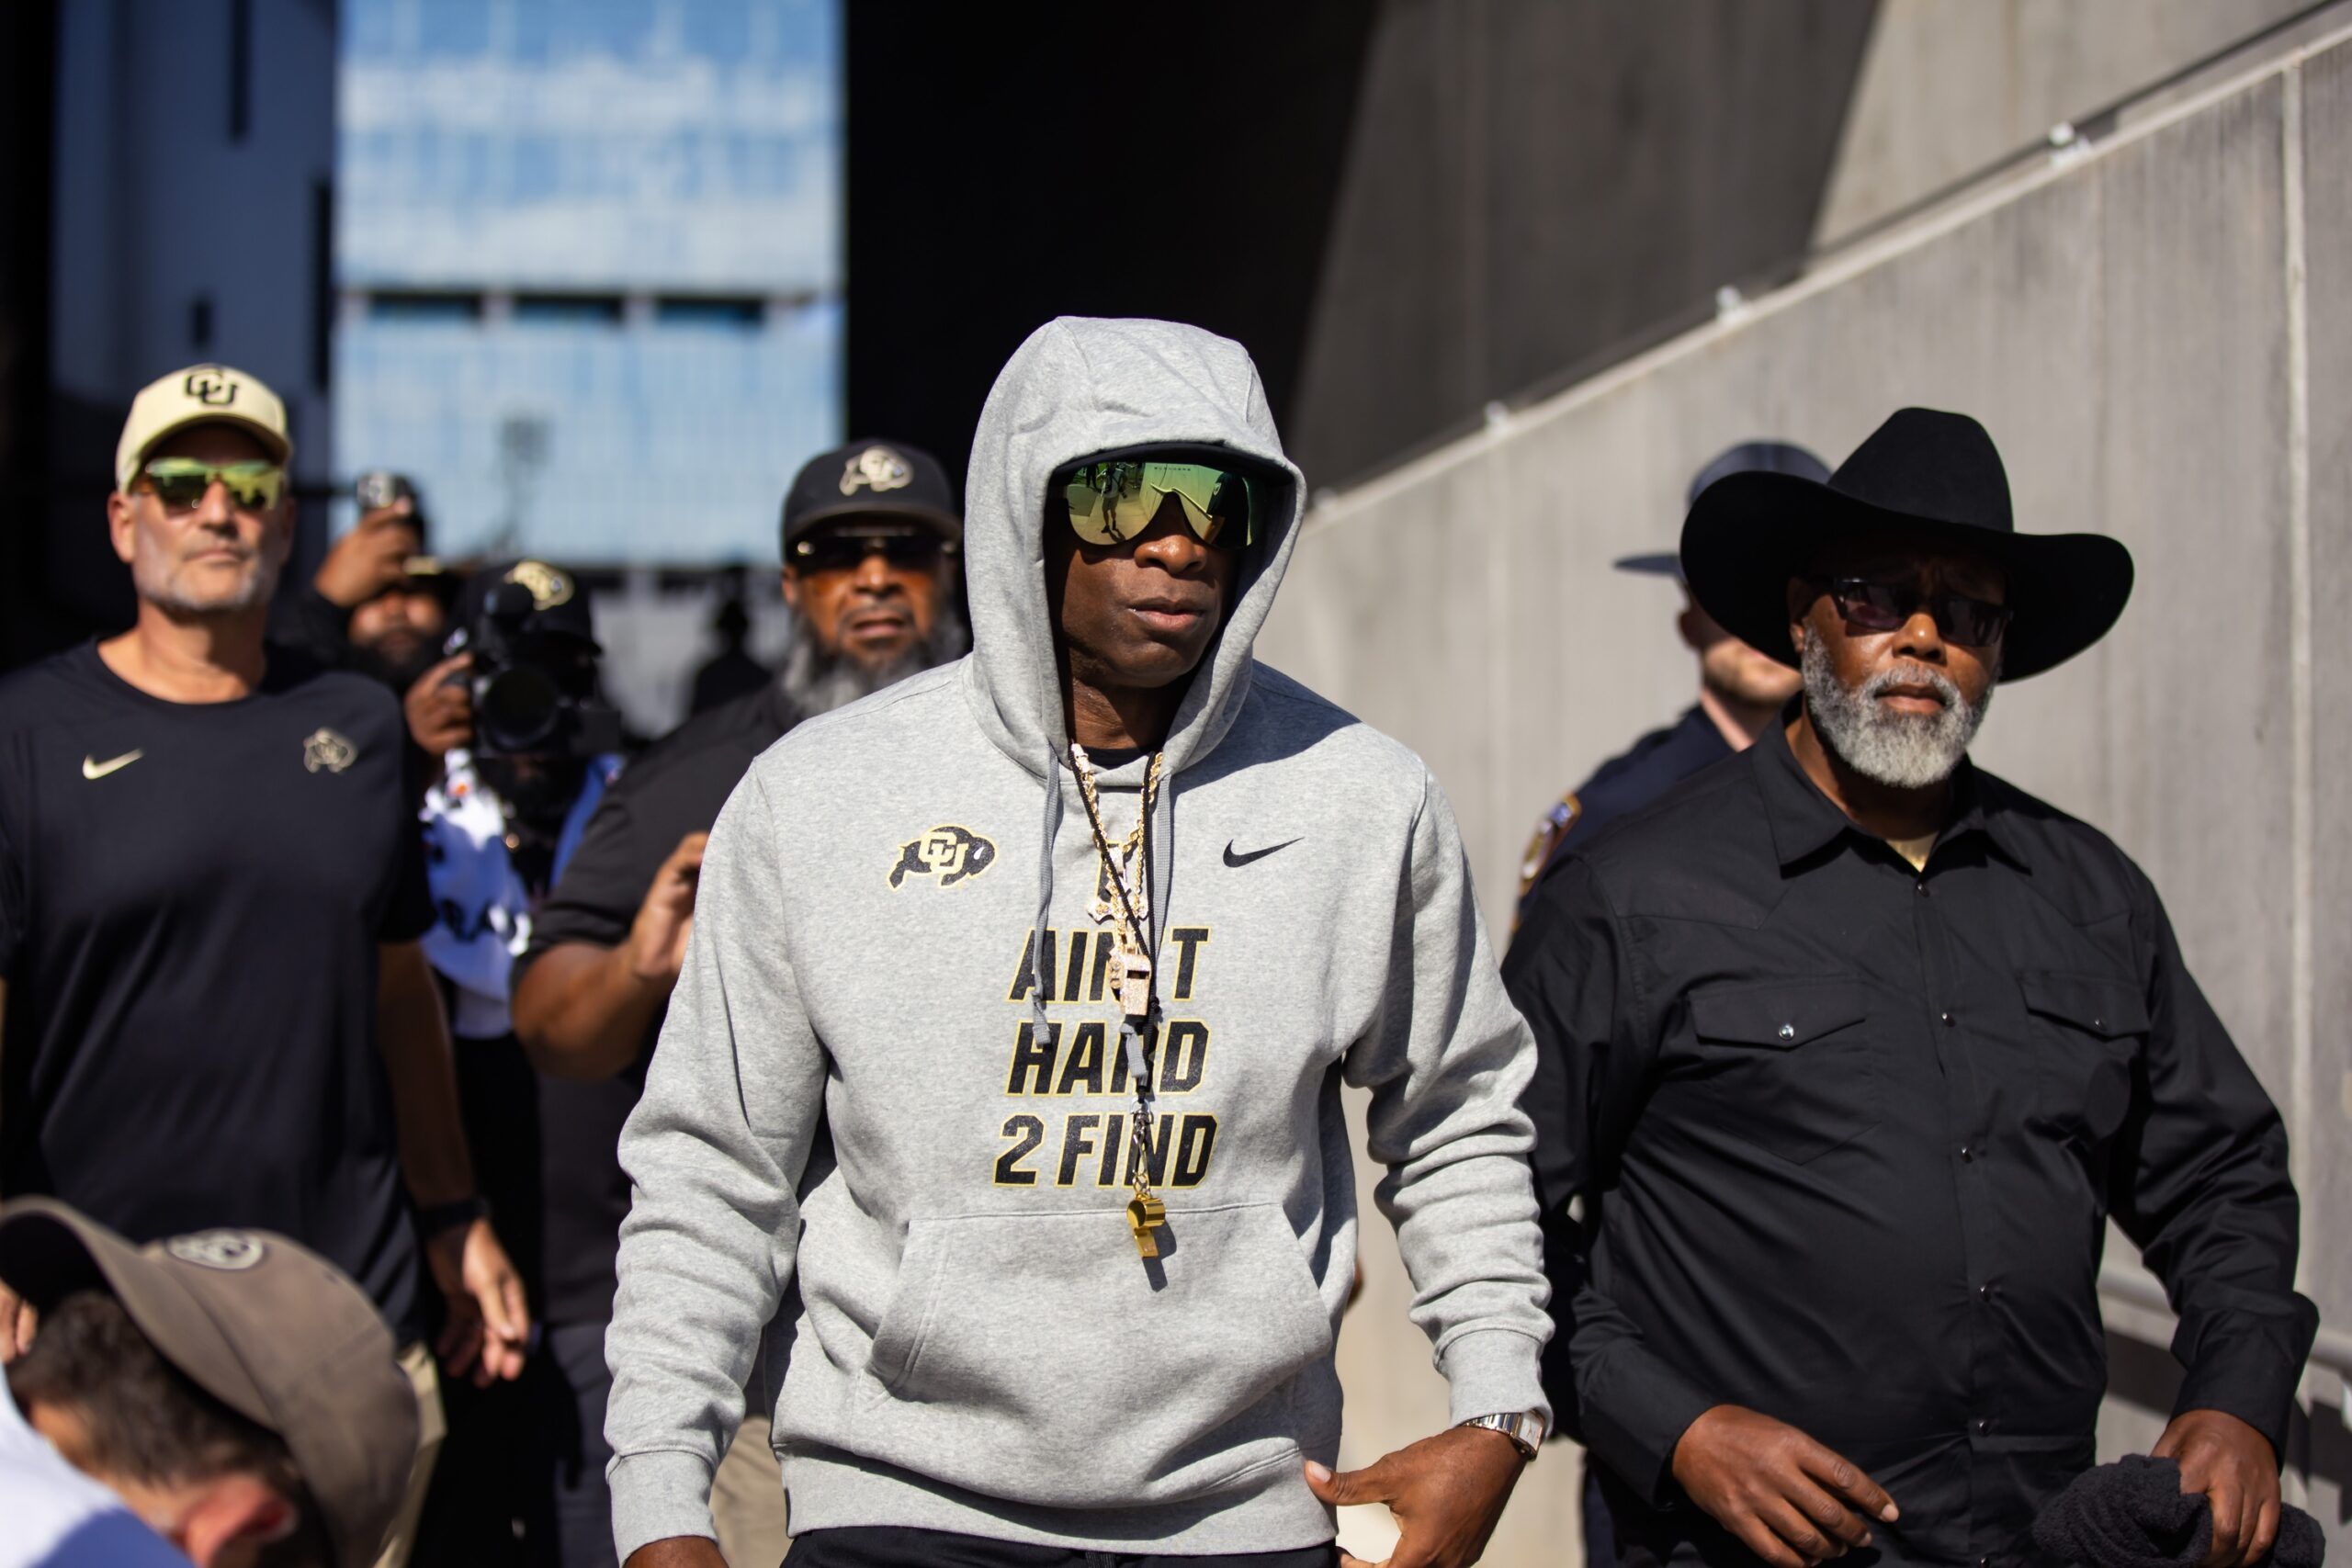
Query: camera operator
[870,542]
[509,806]
[377,605]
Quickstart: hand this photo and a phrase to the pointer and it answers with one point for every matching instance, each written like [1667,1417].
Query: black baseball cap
[871,481]
[559,602]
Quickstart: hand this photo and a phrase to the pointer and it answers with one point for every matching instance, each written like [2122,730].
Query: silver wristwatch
[1523,1428]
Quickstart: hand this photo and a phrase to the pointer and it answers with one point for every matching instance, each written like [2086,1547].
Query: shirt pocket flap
[1782,1013]
[2104,1007]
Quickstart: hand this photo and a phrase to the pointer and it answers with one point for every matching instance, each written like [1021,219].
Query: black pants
[521,1482]
[896,1546]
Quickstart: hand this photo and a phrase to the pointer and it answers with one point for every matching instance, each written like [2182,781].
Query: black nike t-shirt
[191,899]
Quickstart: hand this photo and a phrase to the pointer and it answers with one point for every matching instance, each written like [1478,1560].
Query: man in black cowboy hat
[1852,1049]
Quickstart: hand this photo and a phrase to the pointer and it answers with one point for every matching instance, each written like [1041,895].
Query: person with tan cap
[211,891]
[234,1390]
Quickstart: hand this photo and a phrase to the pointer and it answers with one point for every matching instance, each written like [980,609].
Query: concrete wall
[2158,334]
[1947,86]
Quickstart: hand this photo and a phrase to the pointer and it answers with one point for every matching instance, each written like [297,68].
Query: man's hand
[1791,1501]
[677,1551]
[440,710]
[657,937]
[489,1329]
[1446,1492]
[2233,1466]
[18,1320]
[370,559]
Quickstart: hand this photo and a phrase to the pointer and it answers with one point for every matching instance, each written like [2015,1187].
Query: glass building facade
[588,264]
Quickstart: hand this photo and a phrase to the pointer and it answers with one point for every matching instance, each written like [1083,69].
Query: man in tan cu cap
[235,1390]
[213,1005]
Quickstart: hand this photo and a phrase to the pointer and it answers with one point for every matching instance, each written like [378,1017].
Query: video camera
[533,682]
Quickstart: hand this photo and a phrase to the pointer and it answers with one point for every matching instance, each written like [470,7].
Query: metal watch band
[1523,1428]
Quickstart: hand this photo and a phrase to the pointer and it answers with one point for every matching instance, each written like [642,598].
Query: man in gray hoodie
[1004,1070]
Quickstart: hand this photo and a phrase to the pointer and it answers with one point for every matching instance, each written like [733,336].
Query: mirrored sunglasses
[180,484]
[1113,501]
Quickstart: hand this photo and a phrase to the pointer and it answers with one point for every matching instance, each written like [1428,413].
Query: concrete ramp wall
[2157,330]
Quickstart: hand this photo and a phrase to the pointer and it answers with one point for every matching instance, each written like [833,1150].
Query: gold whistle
[1144,1211]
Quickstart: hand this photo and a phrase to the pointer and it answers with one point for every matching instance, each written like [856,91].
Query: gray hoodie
[877,1116]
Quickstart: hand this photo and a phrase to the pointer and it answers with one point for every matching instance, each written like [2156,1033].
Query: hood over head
[1080,386]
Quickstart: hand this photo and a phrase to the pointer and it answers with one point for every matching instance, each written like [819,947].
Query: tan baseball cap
[270,1328]
[201,394]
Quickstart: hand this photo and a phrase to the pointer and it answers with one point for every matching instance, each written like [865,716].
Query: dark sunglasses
[1885,607]
[847,552]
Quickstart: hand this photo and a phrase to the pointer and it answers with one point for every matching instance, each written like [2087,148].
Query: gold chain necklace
[1129,972]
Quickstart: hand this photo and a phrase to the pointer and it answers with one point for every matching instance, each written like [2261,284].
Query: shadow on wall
[1404,210]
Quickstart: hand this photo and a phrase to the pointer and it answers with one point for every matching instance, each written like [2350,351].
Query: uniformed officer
[1740,692]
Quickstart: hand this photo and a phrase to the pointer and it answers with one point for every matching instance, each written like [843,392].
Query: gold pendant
[1145,1211]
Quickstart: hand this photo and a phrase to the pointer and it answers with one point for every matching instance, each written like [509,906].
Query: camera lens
[518,709]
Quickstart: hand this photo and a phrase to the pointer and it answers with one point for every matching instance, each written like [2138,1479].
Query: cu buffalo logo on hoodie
[950,853]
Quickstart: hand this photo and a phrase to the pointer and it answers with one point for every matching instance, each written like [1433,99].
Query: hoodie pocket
[1037,1357]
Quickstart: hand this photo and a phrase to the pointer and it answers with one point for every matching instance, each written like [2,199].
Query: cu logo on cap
[877,468]
[952,854]
[229,1251]
[211,385]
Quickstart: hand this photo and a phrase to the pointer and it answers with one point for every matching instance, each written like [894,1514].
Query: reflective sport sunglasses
[180,482]
[1117,499]
[847,552]
[1884,607]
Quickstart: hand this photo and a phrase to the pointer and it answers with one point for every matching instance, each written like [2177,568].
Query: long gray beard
[1900,750]
[818,681]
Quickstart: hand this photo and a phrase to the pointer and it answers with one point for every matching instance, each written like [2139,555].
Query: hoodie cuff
[658,1496]
[1495,1372]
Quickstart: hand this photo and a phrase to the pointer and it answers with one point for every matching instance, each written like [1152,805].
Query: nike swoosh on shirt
[1235,859]
[94,769]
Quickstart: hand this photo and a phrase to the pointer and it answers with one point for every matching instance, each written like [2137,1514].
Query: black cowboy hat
[1925,475]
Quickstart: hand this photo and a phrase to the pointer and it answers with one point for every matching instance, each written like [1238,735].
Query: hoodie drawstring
[1041,979]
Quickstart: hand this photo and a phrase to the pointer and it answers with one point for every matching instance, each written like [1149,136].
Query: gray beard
[816,681]
[1900,750]
[161,587]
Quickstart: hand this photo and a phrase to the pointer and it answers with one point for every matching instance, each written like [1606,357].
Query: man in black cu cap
[870,540]
[1852,1050]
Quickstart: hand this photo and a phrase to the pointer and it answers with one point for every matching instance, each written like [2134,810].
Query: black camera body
[534,691]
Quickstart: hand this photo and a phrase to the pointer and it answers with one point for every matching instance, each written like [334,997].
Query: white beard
[1900,750]
[818,681]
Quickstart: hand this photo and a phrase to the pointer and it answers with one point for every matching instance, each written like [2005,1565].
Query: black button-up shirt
[1849,1135]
